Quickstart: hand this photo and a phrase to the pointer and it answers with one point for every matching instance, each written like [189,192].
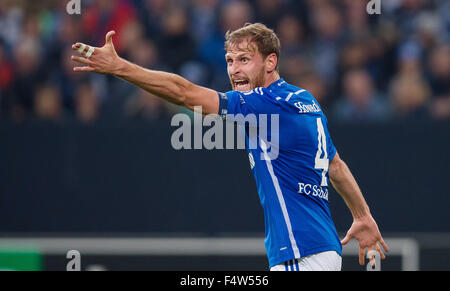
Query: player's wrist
[122,68]
[361,214]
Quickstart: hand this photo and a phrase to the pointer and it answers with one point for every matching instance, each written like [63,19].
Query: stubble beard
[258,81]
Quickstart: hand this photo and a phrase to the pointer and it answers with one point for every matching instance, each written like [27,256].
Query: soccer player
[293,187]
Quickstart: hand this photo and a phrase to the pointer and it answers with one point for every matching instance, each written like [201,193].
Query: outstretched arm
[364,228]
[171,87]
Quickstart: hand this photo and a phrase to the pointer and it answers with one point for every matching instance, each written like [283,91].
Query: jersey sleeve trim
[223,105]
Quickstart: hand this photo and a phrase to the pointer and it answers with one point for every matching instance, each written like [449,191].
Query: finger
[346,239]
[80,47]
[109,36]
[362,252]
[76,46]
[83,49]
[83,69]
[81,60]
[371,253]
[385,247]
[90,52]
[378,249]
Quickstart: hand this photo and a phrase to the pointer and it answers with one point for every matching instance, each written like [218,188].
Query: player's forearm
[346,185]
[169,86]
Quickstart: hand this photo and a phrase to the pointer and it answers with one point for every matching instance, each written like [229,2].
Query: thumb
[346,239]
[109,36]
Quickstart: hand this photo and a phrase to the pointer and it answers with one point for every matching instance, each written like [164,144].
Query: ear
[271,62]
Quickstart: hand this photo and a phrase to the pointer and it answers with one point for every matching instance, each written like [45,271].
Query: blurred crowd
[360,67]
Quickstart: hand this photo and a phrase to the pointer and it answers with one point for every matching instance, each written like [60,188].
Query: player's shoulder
[288,93]
[297,91]
[299,98]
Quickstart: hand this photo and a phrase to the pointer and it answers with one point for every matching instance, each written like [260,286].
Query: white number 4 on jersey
[322,163]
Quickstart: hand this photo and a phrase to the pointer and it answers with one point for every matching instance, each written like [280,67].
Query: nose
[233,69]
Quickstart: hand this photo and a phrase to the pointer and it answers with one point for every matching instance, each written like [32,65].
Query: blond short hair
[265,38]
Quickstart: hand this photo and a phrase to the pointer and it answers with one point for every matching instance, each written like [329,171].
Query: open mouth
[241,85]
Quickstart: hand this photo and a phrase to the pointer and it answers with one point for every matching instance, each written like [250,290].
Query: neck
[271,78]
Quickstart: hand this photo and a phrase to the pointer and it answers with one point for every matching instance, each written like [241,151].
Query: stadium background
[86,161]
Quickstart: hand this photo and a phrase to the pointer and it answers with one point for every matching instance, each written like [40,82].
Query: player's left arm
[364,228]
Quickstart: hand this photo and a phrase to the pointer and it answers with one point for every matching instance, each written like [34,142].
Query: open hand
[365,231]
[102,60]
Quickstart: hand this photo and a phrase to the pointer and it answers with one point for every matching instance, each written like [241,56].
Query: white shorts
[325,261]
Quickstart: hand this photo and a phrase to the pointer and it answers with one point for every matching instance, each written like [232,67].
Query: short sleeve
[330,145]
[331,148]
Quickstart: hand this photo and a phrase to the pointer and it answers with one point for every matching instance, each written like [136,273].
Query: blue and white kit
[293,186]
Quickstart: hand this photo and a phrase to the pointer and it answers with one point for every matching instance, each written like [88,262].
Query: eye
[229,61]
[244,60]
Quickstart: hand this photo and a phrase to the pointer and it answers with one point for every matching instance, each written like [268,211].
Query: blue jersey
[293,184]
